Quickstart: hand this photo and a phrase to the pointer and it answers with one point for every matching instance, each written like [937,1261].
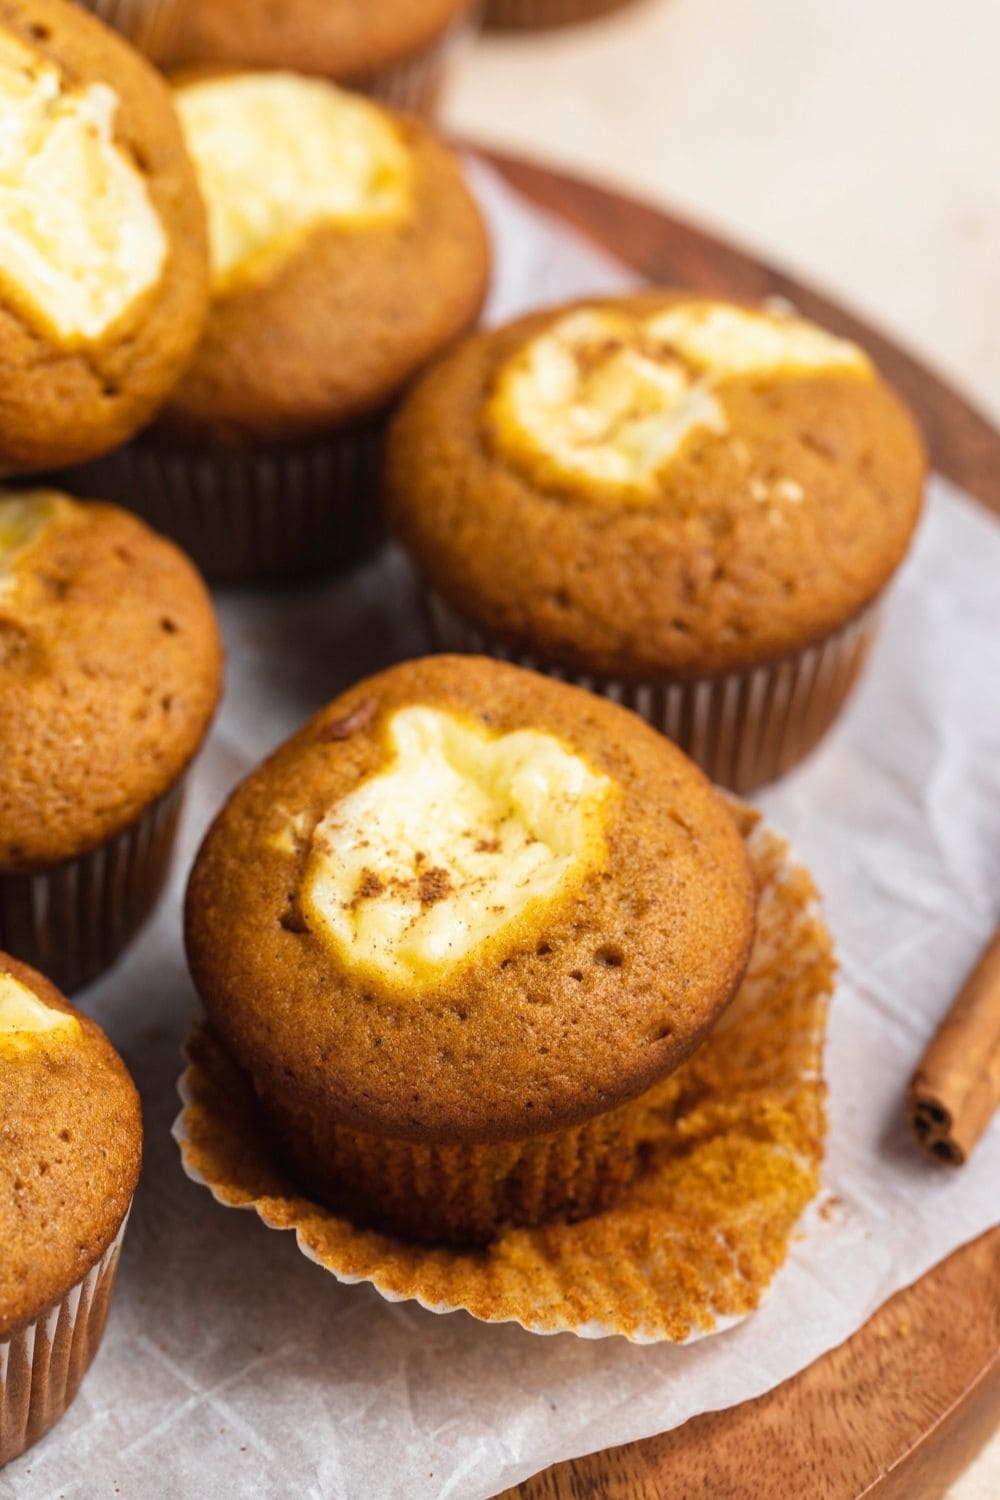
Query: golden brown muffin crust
[588,1006]
[70,1154]
[110,671]
[703,579]
[343,321]
[64,405]
[339,39]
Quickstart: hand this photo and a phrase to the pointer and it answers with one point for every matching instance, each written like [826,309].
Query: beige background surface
[856,143]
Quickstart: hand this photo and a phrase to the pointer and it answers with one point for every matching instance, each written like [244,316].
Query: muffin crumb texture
[732,1146]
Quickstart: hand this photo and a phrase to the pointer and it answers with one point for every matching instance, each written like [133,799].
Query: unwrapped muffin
[70,1153]
[454,931]
[104,263]
[346,251]
[691,506]
[110,671]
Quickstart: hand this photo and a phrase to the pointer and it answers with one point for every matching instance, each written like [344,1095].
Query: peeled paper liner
[734,1142]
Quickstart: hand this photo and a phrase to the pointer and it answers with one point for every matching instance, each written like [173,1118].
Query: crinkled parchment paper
[234,1367]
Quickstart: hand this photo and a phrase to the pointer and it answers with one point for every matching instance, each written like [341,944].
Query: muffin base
[463,1195]
[535,15]
[743,728]
[244,515]
[150,25]
[42,1364]
[73,920]
[732,1143]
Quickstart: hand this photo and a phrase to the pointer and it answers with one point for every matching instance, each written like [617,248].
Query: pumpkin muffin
[110,670]
[346,251]
[689,505]
[454,931]
[395,50]
[104,265]
[70,1152]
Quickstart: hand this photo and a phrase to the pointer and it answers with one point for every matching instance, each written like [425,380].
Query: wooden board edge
[895,1413]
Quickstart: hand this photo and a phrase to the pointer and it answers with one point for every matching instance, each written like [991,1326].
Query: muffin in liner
[43,1362]
[534,15]
[743,728]
[605,899]
[691,505]
[251,513]
[732,1143]
[73,919]
[111,670]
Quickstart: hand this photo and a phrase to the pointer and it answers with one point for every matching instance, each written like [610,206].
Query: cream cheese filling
[277,154]
[80,239]
[449,846]
[24,516]
[608,397]
[26,1021]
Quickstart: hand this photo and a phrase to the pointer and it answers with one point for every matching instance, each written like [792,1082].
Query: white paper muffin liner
[72,920]
[148,24]
[244,515]
[743,728]
[43,1363]
[655,1267]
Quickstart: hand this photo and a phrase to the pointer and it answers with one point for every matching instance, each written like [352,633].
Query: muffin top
[110,670]
[70,1144]
[339,39]
[468,903]
[103,270]
[346,250]
[656,484]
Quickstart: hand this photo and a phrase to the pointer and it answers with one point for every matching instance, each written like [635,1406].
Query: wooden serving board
[899,1410]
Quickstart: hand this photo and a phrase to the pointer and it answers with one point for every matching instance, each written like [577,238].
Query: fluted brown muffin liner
[43,1363]
[251,514]
[455,1194]
[72,920]
[743,728]
[150,25]
[732,1143]
[532,15]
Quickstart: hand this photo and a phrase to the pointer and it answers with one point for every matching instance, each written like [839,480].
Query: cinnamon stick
[956,1088]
